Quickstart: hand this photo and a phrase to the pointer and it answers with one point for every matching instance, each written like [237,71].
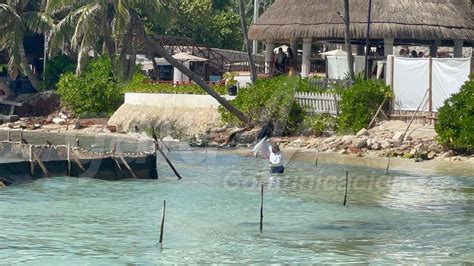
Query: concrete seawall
[178,115]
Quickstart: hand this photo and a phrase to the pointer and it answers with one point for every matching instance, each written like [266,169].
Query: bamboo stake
[162,227]
[21,137]
[345,194]
[317,157]
[127,165]
[377,113]
[166,146]
[413,116]
[69,159]
[42,166]
[78,162]
[9,137]
[32,163]
[261,208]
[388,163]
[169,162]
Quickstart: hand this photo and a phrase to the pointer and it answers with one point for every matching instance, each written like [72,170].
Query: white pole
[255,17]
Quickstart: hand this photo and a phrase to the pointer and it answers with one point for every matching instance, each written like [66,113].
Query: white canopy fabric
[337,52]
[182,57]
[284,47]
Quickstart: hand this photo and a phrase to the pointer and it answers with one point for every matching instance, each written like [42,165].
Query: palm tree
[243,21]
[116,28]
[92,27]
[347,31]
[15,21]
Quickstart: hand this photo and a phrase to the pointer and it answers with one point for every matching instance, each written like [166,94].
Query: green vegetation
[270,101]
[94,93]
[208,22]
[360,103]
[316,125]
[54,68]
[141,84]
[455,125]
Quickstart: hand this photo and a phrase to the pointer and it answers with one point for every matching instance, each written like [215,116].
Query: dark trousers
[277,169]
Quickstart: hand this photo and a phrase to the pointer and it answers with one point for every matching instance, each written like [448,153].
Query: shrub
[455,125]
[54,68]
[269,101]
[141,84]
[317,124]
[94,93]
[360,103]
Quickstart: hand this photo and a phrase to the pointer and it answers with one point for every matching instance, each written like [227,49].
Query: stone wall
[179,115]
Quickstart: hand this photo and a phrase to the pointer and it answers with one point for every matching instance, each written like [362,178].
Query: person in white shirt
[276,160]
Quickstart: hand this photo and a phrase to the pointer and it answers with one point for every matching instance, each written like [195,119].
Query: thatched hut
[426,22]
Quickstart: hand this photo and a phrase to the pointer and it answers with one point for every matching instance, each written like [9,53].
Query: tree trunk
[253,70]
[4,86]
[186,71]
[24,65]
[350,57]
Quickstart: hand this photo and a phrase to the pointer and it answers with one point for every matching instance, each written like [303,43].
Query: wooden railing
[319,103]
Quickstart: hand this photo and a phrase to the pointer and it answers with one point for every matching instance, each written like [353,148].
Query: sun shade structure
[398,19]
[394,22]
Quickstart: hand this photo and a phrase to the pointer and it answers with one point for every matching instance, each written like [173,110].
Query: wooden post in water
[68,159]
[127,165]
[261,208]
[41,164]
[21,137]
[9,137]
[347,184]
[162,227]
[32,162]
[317,157]
[388,162]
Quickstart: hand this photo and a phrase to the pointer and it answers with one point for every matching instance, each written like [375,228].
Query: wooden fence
[319,103]
[423,118]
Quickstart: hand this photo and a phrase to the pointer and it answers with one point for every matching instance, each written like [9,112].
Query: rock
[343,151]
[37,126]
[334,144]
[418,160]
[421,155]
[361,132]
[355,150]
[447,154]
[432,155]
[398,136]
[112,129]
[59,121]
[385,144]
[347,138]
[435,148]
[359,143]
[329,140]
[376,146]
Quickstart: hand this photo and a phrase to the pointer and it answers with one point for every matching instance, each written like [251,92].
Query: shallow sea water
[212,216]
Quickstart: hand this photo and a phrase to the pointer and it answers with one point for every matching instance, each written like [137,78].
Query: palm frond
[37,22]
[54,6]
[88,12]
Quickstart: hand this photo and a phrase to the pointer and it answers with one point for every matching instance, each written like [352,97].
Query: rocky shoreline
[385,139]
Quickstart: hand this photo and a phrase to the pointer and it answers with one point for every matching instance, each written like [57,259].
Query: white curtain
[449,74]
[337,66]
[411,81]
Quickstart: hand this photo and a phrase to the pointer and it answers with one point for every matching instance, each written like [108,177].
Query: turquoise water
[212,216]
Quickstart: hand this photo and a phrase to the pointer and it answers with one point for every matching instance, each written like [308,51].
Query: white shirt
[276,159]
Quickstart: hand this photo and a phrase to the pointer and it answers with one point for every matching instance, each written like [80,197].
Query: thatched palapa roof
[398,19]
